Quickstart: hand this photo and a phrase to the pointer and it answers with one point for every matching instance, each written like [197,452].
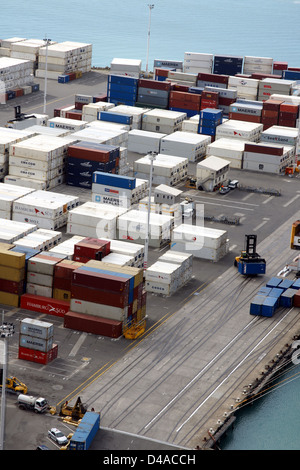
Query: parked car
[233,184]
[57,436]
[224,190]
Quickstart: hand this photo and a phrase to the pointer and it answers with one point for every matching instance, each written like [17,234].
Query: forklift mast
[250,245]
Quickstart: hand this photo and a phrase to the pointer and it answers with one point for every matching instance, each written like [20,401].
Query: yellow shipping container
[61,294]
[13,259]
[9,299]
[12,274]
[6,246]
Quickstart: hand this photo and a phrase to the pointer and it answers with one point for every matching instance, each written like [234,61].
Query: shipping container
[91,324]
[45,305]
[85,431]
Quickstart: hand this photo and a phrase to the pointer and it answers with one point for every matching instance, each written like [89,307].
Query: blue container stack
[210,118]
[122,90]
[63,78]
[276,293]
[291,75]
[228,65]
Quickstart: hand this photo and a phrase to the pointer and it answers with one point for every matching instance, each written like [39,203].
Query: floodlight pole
[149,27]
[46,66]
[152,157]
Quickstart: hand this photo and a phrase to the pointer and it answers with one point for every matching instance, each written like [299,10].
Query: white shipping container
[141,141]
[162,272]
[33,342]
[40,279]
[38,328]
[98,310]
[41,222]
[94,232]
[71,125]
[36,289]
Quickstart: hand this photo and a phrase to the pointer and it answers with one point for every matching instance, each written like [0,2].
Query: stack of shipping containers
[36,341]
[104,298]
[153,94]
[85,158]
[40,274]
[210,120]
[12,275]
[122,90]
[45,209]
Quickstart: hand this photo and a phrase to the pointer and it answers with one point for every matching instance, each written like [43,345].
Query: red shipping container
[287,122]
[210,95]
[89,247]
[102,97]
[72,76]
[100,280]
[295,69]
[154,84]
[269,114]
[297,299]
[85,153]
[62,283]
[12,287]
[288,116]
[58,110]
[211,77]
[269,121]
[79,106]
[74,115]
[226,101]
[38,303]
[261,76]
[105,297]
[184,105]
[185,97]
[162,72]
[280,65]
[40,357]
[265,149]
[289,108]
[177,87]
[272,105]
[64,269]
[81,259]
[19,92]
[244,117]
[94,325]
[209,104]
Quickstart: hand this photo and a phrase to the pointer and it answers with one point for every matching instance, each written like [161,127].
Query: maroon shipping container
[89,247]
[269,114]
[244,117]
[265,149]
[12,287]
[210,95]
[272,105]
[62,283]
[79,106]
[226,101]
[269,121]
[102,97]
[184,105]
[287,122]
[185,97]
[106,297]
[81,259]
[100,280]
[38,356]
[65,269]
[297,299]
[280,65]
[154,84]
[211,77]
[94,325]
[177,87]
[288,116]
[261,76]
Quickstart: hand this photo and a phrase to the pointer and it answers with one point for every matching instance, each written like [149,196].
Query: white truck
[28,402]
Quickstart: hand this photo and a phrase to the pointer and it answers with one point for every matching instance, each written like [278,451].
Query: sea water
[120,29]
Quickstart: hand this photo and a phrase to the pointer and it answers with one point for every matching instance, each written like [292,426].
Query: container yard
[74,204]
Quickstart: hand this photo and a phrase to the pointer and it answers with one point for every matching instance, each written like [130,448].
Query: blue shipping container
[287,298]
[85,432]
[119,181]
[285,284]
[291,75]
[256,305]
[63,78]
[211,114]
[123,80]
[189,112]
[269,306]
[274,282]
[115,87]
[296,284]
[114,117]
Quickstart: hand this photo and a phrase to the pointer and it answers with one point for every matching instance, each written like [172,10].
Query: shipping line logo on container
[177,228]
[2,92]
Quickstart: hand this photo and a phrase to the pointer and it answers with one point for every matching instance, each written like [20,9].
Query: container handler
[249,262]
[13,384]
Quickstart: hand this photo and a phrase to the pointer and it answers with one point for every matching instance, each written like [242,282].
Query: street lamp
[150,9]
[6,331]
[152,157]
[47,41]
